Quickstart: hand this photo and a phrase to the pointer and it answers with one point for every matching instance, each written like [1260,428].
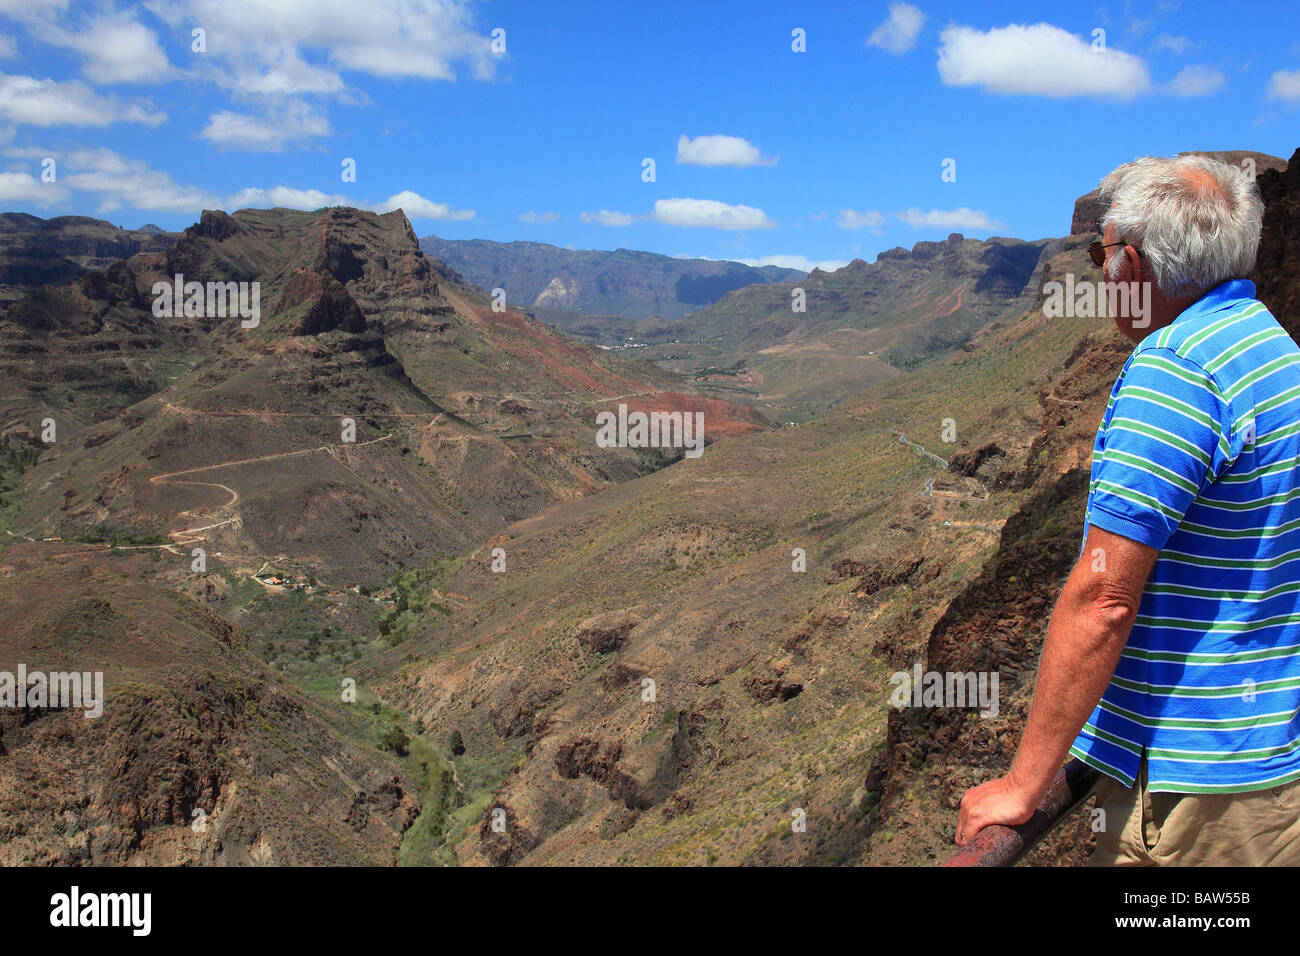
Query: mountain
[195,428]
[202,754]
[200,527]
[860,324]
[36,252]
[623,283]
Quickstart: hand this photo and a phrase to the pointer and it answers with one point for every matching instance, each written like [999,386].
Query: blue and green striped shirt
[1197,457]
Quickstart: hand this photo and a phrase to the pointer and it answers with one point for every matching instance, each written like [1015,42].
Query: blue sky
[762,153]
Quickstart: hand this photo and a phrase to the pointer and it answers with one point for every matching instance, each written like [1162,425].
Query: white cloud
[710,214]
[27,100]
[898,33]
[867,219]
[802,263]
[1284,85]
[720,151]
[257,198]
[538,217]
[8,47]
[1196,81]
[607,217]
[975,220]
[265,134]
[24,187]
[299,46]
[288,75]
[116,47]
[411,203]
[1041,60]
[27,152]
[1177,45]
[417,207]
[122,181]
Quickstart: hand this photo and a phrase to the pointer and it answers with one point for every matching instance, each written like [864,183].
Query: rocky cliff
[1277,270]
[36,252]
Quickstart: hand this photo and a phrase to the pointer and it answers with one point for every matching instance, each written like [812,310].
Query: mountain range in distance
[736,331]
[35,251]
[622,283]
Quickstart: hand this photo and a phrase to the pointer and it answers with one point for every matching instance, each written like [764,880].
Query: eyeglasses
[1097,251]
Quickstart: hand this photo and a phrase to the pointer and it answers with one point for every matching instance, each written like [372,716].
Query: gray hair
[1196,219]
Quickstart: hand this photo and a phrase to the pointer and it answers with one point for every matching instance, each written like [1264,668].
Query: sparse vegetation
[119,537]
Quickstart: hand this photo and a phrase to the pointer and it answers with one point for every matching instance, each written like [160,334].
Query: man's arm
[1089,628]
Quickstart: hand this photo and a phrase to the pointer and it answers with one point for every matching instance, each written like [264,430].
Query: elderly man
[1172,660]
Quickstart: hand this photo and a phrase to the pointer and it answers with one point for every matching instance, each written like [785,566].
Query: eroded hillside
[770,685]
[379,413]
[798,348]
[768,693]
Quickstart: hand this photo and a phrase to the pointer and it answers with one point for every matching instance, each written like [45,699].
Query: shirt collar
[1221,295]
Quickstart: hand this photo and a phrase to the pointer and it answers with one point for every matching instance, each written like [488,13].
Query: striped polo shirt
[1197,457]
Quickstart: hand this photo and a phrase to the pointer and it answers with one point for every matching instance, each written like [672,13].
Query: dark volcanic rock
[1277,270]
[767,688]
[331,307]
[115,286]
[214,224]
[967,463]
[606,632]
[339,258]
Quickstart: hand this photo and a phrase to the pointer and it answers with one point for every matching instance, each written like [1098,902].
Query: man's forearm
[1089,628]
[1083,645]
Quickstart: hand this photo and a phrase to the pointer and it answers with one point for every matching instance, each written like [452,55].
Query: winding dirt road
[234,495]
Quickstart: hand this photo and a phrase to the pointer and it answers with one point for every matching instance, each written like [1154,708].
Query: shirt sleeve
[1169,436]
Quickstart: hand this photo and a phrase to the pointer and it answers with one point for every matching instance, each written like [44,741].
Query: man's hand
[1089,628]
[998,801]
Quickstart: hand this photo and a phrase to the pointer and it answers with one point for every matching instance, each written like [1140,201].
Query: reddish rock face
[331,307]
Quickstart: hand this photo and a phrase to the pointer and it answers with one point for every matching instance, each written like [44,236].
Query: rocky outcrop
[607,632]
[214,224]
[329,306]
[515,710]
[768,688]
[115,286]
[338,257]
[968,463]
[36,252]
[639,776]
[199,748]
[1277,269]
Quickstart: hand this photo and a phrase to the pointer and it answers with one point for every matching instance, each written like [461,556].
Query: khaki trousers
[1141,828]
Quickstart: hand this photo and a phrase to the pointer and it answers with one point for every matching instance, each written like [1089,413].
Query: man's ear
[1135,264]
